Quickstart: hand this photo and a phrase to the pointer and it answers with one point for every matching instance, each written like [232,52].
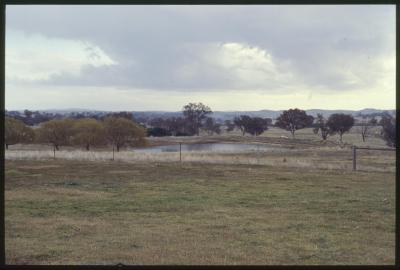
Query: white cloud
[36,57]
[232,66]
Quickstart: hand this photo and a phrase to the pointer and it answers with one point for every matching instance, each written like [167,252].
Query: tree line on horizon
[122,129]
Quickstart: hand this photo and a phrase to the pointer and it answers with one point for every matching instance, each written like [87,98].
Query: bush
[158,132]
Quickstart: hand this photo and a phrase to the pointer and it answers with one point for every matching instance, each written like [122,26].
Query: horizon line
[111,110]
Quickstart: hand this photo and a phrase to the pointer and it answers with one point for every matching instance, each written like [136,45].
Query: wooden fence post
[354,158]
[54,152]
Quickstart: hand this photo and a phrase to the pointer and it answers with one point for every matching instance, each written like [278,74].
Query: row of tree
[119,129]
[85,132]
[196,117]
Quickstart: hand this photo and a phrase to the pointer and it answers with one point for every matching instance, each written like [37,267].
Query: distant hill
[222,115]
[274,114]
[228,115]
[68,111]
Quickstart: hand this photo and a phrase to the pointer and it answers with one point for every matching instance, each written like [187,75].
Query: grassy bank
[85,212]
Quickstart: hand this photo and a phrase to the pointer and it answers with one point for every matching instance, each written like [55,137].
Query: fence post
[354,158]
[180,152]
[113,153]
[54,152]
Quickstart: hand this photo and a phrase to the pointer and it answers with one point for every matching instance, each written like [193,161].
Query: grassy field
[299,205]
[68,212]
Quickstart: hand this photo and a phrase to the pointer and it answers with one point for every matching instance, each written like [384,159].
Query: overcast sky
[228,57]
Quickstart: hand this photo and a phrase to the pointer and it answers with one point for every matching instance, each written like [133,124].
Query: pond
[214,147]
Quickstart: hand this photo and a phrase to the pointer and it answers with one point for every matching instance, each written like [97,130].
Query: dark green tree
[340,123]
[195,115]
[388,124]
[294,119]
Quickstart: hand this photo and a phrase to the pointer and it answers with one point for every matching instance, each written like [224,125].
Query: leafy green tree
[88,132]
[195,115]
[340,123]
[252,125]
[121,132]
[57,132]
[294,119]
[16,132]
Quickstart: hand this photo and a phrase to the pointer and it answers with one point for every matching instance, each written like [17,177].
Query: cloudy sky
[228,57]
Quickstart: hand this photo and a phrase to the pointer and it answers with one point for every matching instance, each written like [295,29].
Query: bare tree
[365,127]
[177,126]
[321,127]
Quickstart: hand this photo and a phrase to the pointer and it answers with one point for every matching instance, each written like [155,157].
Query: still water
[216,147]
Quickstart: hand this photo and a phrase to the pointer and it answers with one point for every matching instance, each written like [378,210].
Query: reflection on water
[216,147]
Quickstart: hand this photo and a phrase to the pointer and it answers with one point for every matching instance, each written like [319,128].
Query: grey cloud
[150,43]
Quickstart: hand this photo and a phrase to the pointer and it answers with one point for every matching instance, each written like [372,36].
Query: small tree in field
[389,130]
[321,127]
[252,125]
[121,131]
[56,132]
[293,120]
[16,132]
[211,126]
[176,125]
[365,127]
[88,132]
[340,123]
[257,126]
[242,122]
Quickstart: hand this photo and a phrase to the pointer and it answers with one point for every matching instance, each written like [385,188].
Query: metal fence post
[354,158]
[180,152]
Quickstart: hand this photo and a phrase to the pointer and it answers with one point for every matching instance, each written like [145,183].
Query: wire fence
[356,158]
[372,159]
